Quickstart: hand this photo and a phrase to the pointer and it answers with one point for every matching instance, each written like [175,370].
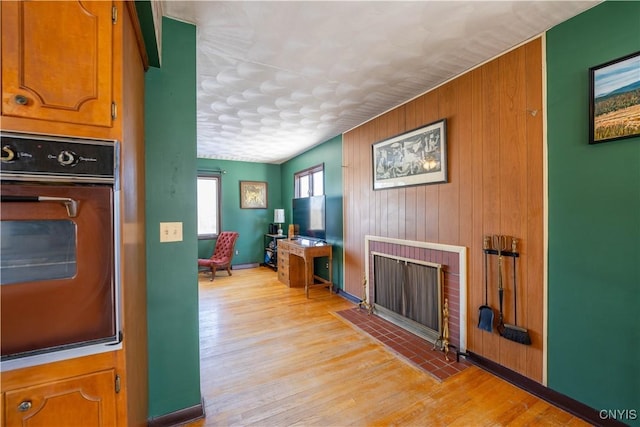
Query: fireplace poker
[500,243]
[445,329]
[485,312]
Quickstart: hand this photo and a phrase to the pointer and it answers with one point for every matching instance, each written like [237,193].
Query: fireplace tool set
[364,304]
[444,338]
[497,245]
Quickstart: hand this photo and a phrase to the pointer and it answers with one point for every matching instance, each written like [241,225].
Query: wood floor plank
[271,357]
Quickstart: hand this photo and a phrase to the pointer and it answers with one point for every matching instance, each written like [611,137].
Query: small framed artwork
[614,99]
[412,158]
[253,195]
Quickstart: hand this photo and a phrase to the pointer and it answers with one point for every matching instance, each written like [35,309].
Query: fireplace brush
[515,332]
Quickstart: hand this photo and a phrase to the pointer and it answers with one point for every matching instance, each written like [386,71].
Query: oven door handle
[70,204]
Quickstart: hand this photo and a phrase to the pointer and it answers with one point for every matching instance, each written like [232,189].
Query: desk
[295,263]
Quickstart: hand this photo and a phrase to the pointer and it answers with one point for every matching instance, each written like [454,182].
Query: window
[37,250]
[309,182]
[208,205]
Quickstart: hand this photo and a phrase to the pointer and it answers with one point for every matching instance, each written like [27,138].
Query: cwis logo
[618,414]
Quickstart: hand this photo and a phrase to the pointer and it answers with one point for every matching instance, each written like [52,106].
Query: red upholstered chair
[222,254]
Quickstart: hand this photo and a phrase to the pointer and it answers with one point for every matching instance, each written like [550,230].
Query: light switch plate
[170,232]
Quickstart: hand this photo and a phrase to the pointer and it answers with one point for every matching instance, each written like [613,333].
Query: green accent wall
[252,224]
[172,283]
[329,153]
[594,221]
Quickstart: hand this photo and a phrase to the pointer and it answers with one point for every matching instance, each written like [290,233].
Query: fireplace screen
[409,294]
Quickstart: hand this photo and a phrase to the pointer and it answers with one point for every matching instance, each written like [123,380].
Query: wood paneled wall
[495,186]
[132,253]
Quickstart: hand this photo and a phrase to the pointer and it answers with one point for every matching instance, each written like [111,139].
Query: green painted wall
[594,221]
[329,153]
[252,224]
[172,284]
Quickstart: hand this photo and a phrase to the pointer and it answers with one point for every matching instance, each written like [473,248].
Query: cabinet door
[87,401]
[57,61]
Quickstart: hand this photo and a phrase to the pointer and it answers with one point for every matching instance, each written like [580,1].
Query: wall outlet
[236,252]
[170,232]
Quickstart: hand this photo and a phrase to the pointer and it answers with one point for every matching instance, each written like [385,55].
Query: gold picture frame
[253,195]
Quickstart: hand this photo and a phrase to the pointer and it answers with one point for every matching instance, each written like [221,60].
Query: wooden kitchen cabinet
[72,60]
[58,64]
[87,400]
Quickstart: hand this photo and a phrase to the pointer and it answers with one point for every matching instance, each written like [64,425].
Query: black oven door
[57,268]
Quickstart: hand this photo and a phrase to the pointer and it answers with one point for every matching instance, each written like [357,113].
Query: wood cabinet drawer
[283,268]
[283,276]
[283,261]
[87,400]
[283,245]
[69,79]
[297,250]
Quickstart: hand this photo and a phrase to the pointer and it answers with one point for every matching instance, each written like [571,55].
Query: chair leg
[229,270]
[213,273]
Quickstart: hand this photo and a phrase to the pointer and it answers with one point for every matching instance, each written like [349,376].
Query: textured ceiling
[276,78]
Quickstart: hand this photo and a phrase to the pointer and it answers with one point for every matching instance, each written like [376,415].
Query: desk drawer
[283,244]
[283,275]
[283,265]
[297,250]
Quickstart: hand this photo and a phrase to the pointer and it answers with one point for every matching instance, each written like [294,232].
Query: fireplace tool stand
[443,340]
[364,304]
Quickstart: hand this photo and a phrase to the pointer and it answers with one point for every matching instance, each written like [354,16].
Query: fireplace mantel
[412,249]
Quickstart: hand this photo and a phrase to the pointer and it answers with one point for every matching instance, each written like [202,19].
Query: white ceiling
[276,78]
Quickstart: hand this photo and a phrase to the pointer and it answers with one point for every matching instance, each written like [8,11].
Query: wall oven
[59,242]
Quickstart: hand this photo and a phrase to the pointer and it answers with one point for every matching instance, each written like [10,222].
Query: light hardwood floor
[271,357]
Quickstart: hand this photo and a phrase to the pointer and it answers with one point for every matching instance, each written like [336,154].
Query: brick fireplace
[453,261]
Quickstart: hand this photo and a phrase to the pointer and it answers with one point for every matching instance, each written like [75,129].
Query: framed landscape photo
[412,158]
[614,99]
[253,195]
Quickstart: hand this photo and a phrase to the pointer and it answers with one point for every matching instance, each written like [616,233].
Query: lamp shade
[278,216]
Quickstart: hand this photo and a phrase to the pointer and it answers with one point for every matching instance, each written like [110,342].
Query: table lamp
[278,218]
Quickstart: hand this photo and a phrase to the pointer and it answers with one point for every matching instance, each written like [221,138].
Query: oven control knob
[67,158]
[7,154]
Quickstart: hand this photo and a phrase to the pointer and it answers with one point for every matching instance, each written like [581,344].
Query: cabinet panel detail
[57,61]
[88,400]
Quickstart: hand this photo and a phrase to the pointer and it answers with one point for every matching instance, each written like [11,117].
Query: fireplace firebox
[409,294]
[404,304]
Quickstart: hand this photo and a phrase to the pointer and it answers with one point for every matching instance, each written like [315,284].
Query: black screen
[309,217]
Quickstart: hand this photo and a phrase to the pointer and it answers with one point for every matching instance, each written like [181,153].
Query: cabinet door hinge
[114,14]
[114,111]
[117,385]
